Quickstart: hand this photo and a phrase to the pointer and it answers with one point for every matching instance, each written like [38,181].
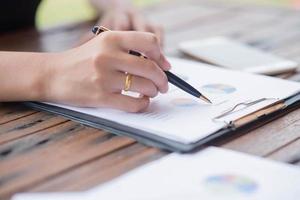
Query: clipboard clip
[251,116]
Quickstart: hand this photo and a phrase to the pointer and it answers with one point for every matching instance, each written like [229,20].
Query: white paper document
[168,113]
[211,174]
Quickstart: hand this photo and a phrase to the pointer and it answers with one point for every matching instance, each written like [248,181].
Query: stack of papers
[212,174]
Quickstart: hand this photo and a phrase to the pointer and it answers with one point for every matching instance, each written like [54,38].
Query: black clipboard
[245,124]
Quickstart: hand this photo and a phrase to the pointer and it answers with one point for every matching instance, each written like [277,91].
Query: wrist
[24,78]
[43,84]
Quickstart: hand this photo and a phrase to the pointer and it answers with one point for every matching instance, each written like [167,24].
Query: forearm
[23,76]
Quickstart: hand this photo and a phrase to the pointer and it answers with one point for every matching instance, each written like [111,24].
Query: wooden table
[44,152]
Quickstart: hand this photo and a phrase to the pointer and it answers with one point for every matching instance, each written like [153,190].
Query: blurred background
[54,12]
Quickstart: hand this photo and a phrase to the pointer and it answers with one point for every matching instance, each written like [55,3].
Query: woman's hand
[129,19]
[93,75]
[124,18]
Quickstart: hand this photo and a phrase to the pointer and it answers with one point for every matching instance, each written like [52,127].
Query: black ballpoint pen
[172,78]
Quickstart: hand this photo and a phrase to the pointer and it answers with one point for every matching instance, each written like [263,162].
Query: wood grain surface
[44,152]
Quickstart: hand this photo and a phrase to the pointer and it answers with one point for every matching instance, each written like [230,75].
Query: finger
[138,84]
[121,22]
[107,21]
[158,31]
[137,23]
[127,103]
[146,43]
[144,68]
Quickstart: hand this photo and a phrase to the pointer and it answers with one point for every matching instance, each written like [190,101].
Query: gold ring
[128,82]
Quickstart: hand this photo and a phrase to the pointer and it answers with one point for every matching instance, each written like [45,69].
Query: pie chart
[184,102]
[218,89]
[228,184]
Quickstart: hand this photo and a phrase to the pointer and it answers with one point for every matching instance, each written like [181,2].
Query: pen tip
[205,99]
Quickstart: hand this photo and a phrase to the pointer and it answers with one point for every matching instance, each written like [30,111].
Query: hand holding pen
[95,73]
[172,78]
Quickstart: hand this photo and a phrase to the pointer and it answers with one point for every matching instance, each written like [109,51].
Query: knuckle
[156,74]
[100,82]
[153,38]
[97,59]
[135,107]
[101,59]
[97,78]
[160,76]
[162,81]
[152,90]
[110,36]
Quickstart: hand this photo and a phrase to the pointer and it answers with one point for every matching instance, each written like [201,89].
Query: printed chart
[230,185]
[184,102]
[218,89]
